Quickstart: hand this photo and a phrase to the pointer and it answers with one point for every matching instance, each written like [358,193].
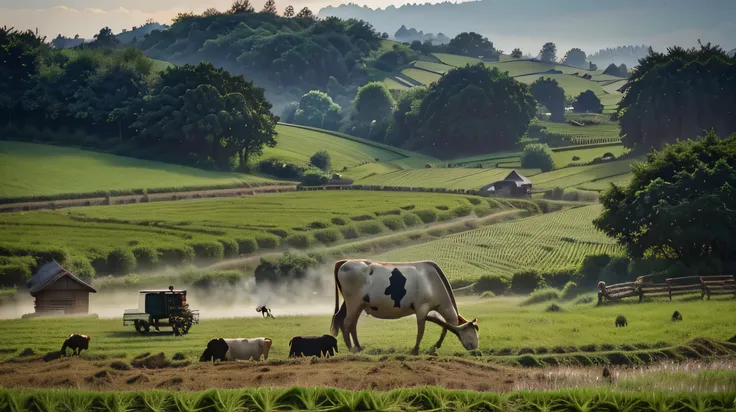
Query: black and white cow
[220,349]
[395,290]
[312,346]
[77,343]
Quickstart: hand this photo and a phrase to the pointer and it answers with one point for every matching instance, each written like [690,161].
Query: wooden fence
[705,285]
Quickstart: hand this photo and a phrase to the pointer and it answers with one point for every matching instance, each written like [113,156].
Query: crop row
[542,242]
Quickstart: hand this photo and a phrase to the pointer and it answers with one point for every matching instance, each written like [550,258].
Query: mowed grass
[438,68]
[394,85]
[422,76]
[605,183]
[503,323]
[30,169]
[453,178]
[575,176]
[564,158]
[573,85]
[455,60]
[559,239]
[296,144]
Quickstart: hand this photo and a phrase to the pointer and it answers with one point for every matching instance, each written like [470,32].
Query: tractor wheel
[142,326]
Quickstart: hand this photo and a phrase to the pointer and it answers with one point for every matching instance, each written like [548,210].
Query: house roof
[513,176]
[50,273]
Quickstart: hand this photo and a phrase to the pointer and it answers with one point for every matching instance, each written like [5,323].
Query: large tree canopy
[681,204]
[473,109]
[472,44]
[677,95]
[317,109]
[575,57]
[549,93]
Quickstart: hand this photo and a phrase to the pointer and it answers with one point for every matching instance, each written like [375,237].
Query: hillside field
[559,239]
[30,169]
[453,178]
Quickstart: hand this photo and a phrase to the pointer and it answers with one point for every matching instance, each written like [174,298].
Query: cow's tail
[291,341]
[338,318]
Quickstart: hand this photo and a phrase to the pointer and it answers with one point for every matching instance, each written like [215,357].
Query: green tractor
[164,307]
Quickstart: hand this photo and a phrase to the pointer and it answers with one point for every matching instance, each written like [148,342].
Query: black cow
[216,350]
[77,343]
[312,346]
[676,317]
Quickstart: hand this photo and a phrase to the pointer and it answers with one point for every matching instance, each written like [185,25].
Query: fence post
[669,288]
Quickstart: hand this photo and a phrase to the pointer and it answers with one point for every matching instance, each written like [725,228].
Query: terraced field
[600,185]
[573,85]
[591,134]
[394,85]
[455,178]
[421,76]
[575,176]
[433,67]
[543,242]
[454,60]
[564,158]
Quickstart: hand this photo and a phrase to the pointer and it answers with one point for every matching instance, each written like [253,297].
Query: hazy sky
[589,24]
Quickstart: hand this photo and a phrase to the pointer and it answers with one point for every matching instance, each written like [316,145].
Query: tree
[305,13]
[592,66]
[105,39]
[149,21]
[549,93]
[241,6]
[679,205]
[289,12]
[373,103]
[674,96]
[211,12]
[548,53]
[416,45]
[587,102]
[473,109]
[321,160]
[405,117]
[473,45]
[516,54]
[623,71]
[317,109]
[269,7]
[575,57]
[537,156]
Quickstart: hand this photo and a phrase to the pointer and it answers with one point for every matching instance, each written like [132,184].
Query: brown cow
[77,343]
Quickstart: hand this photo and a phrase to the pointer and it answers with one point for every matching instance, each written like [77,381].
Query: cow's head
[216,350]
[468,334]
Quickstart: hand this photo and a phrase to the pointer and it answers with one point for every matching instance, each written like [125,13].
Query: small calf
[236,349]
[77,343]
[676,317]
[621,321]
[318,346]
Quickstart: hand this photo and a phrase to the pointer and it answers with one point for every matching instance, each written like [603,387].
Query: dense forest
[627,55]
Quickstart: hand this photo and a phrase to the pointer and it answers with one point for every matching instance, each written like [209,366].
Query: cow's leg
[354,333]
[421,320]
[442,338]
[350,326]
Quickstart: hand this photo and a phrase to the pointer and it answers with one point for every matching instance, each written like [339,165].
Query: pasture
[454,178]
[30,169]
[544,242]
[580,175]
[563,158]
[421,76]
[573,85]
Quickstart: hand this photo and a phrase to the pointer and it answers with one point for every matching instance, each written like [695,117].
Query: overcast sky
[570,23]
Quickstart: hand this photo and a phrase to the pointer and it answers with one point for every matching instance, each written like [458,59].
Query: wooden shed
[58,291]
[513,185]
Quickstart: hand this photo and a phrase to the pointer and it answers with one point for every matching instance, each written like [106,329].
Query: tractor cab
[162,307]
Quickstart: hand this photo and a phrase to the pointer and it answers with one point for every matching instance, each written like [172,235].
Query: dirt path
[153,197]
[383,375]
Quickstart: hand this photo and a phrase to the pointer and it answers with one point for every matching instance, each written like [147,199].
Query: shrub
[173,255]
[229,247]
[279,168]
[569,291]
[584,301]
[146,257]
[120,261]
[487,295]
[338,221]
[14,275]
[80,267]
[208,280]
[321,160]
[267,241]
[327,236]
[558,278]
[591,268]
[284,268]
[537,156]
[314,178]
[208,250]
[462,211]
[410,219]
[370,227]
[496,284]
[318,225]
[300,240]
[555,194]
[554,308]
[616,271]
[246,245]
[541,295]
[525,282]
[393,222]
[482,210]
[349,232]
[444,216]
[426,215]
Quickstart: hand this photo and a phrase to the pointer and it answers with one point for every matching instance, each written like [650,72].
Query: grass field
[505,328]
[608,132]
[30,169]
[454,60]
[433,67]
[393,84]
[160,65]
[573,85]
[422,76]
[454,178]
[563,158]
[605,183]
[560,239]
[575,176]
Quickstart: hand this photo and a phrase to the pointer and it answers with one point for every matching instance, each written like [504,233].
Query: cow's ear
[475,323]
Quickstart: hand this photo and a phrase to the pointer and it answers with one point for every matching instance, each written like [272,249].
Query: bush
[370,227]
[246,245]
[208,280]
[537,156]
[541,295]
[496,284]
[338,221]
[146,257]
[554,308]
[208,250]
[482,210]
[616,271]
[314,178]
[487,295]
[327,236]
[444,216]
[590,269]
[525,282]
[14,275]
[569,291]
[558,278]
[120,261]
[555,194]
[229,247]
[462,211]
[321,160]
[300,240]
[173,255]
[393,222]
[279,168]
[284,268]
[80,267]
[426,215]
[349,232]
[267,241]
[410,219]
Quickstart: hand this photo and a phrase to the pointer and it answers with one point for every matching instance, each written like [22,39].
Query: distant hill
[138,33]
[405,35]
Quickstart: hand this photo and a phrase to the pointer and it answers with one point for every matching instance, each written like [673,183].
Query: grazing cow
[312,346]
[77,343]
[396,290]
[676,317]
[219,349]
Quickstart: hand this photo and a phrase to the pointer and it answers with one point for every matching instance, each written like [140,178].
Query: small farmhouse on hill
[58,291]
[513,185]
